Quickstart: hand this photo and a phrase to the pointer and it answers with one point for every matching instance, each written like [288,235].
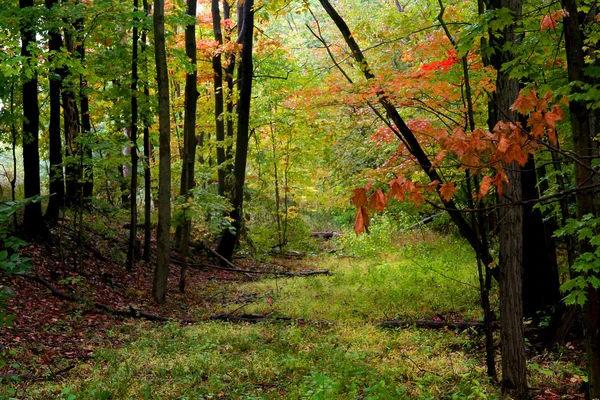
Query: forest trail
[321,338]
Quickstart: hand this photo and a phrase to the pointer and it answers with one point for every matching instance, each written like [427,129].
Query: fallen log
[250,271]
[140,314]
[325,234]
[435,324]
[131,312]
[31,377]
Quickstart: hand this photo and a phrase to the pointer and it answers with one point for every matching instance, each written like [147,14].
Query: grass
[337,353]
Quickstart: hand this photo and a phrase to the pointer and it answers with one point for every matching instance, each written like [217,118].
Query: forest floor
[304,337]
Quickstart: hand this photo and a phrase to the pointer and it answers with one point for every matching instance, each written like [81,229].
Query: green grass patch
[337,352]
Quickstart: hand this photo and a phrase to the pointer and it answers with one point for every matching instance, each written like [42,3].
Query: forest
[307,199]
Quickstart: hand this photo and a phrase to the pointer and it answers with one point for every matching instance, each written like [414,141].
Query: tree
[163,245]
[584,130]
[246,33]
[514,381]
[33,219]
[131,248]
[57,181]
[189,135]
[219,97]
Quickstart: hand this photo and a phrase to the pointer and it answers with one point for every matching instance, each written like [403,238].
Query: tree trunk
[229,99]
[218,88]
[514,380]
[132,246]
[163,245]
[147,152]
[33,220]
[584,147]
[87,172]
[229,239]
[71,130]
[57,180]
[189,139]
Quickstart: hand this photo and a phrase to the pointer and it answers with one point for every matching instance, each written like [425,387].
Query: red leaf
[396,190]
[377,201]
[447,190]
[360,197]
[362,221]
[486,183]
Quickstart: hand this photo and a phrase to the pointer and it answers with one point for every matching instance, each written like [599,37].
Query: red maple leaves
[480,152]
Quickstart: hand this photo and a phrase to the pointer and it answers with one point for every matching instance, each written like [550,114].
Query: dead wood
[136,313]
[131,312]
[435,324]
[325,234]
[32,377]
[249,271]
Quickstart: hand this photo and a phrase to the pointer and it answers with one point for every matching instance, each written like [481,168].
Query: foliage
[586,267]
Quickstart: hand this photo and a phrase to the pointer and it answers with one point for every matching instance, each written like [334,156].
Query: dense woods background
[245,126]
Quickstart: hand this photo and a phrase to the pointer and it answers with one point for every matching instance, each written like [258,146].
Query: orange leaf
[396,190]
[497,181]
[360,197]
[551,117]
[447,190]
[525,103]
[416,197]
[362,221]
[547,23]
[503,145]
[486,183]
[377,201]
[432,186]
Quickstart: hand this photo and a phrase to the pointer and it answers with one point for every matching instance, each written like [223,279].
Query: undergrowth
[332,349]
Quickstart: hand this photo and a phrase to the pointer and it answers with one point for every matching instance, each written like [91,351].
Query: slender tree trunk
[218,88]
[584,146]
[133,245]
[71,129]
[13,134]
[229,239]
[189,140]
[56,179]
[163,245]
[147,151]
[229,98]
[33,220]
[87,171]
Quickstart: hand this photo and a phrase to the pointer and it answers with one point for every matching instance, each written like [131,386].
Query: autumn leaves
[480,152]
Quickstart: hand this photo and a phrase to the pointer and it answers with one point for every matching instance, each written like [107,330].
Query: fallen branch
[325,234]
[206,246]
[424,221]
[250,271]
[31,377]
[129,313]
[426,323]
[135,313]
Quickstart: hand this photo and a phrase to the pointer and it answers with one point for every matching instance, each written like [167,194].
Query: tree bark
[189,138]
[147,152]
[219,98]
[56,179]
[32,219]
[585,148]
[132,245]
[229,239]
[163,245]
[514,379]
